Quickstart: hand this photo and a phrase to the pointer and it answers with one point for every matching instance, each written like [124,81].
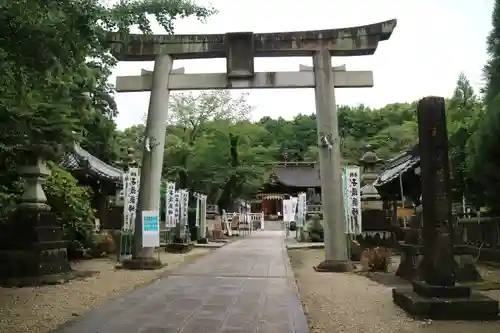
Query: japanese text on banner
[170,212]
[131,184]
[353,205]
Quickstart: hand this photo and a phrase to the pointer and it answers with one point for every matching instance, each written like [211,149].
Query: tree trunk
[226,198]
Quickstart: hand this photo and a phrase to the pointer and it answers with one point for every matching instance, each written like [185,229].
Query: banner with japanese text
[170,211]
[353,200]
[131,196]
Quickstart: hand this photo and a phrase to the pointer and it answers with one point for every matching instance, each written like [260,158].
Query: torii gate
[240,49]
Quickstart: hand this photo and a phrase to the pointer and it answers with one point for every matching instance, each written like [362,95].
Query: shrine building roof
[397,166]
[80,159]
[296,174]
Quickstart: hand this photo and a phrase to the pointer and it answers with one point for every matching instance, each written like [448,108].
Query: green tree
[212,147]
[462,114]
[51,84]
[132,137]
[484,155]
[55,65]
[189,116]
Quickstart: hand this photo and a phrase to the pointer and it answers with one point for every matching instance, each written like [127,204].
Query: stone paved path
[244,287]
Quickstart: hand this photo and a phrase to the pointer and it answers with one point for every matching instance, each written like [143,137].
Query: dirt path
[347,302]
[41,309]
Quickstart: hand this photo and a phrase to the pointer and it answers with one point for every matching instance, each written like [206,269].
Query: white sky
[433,42]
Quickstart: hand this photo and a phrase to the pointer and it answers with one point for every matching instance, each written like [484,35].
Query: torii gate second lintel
[304,78]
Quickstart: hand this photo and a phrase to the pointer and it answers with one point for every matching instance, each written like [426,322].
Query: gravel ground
[41,309]
[347,302]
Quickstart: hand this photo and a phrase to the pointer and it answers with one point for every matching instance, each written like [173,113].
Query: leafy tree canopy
[202,128]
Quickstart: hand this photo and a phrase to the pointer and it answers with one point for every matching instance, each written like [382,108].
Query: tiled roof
[397,166]
[80,159]
[298,174]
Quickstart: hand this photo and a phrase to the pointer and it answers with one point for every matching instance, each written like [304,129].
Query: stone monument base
[142,264]
[445,302]
[202,241]
[412,255]
[334,266]
[179,247]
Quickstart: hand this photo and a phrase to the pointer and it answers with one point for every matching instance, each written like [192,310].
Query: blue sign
[150,229]
[151,224]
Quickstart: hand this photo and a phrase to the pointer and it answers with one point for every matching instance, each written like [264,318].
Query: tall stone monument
[437,295]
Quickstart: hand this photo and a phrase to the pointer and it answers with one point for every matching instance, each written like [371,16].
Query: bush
[377,259]
[315,229]
[355,249]
[106,242]
[8,200]
[72,204]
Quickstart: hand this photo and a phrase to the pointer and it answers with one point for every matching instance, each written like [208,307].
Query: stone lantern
[32,249]
[369,162]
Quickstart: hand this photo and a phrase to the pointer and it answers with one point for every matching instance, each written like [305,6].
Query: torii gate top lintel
[354,41]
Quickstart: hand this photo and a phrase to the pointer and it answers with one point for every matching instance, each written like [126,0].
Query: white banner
[353,205]
[203,216]
[177,206]
[131,186]
[170,205]
[301,209]
[294,201]
[225,221]
[184,207]
[288,212]
[198,203]
[150,229]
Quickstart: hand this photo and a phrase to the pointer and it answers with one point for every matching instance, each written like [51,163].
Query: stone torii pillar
[240,49]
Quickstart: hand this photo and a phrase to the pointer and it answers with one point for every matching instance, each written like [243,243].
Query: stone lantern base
[412,255]
[32,251]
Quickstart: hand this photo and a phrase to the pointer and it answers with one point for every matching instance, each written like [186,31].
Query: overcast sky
[434,41]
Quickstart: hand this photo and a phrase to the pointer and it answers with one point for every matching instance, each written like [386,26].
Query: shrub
[355,249]
[315,229]
[72,204]
[377,259]
[8,200]
[106,242]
